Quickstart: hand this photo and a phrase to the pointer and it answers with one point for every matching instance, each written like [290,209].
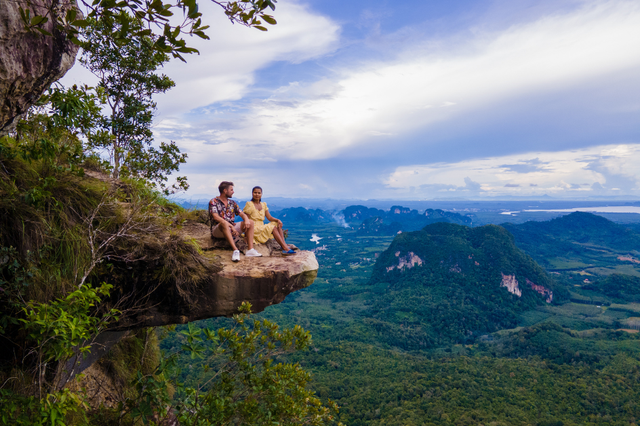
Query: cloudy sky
[418,99]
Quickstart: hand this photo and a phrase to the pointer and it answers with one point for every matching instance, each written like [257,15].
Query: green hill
[623,288]
[449,283]
[579,241]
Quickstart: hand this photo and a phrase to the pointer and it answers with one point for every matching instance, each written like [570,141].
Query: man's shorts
[216,232]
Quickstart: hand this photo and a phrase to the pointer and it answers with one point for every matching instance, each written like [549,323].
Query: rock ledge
[261,281]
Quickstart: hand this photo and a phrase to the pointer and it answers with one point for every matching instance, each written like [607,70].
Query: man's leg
[247,228]
[225,230]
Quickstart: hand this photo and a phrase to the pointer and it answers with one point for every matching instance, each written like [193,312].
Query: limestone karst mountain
[449,283]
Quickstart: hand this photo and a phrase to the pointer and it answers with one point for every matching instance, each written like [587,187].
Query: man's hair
[224,185]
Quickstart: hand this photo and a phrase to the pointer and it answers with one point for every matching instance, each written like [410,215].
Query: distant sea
[603,209]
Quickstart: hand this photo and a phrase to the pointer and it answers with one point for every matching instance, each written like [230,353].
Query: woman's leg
[279,236]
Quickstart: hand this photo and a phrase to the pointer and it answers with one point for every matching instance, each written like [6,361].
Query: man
[223,211]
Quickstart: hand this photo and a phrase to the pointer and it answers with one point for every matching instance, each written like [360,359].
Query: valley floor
[574,363]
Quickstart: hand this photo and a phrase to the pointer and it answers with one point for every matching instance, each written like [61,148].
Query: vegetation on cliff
[79,252]
[66,241]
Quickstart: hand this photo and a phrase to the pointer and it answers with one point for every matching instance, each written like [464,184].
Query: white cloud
[243,132]
[584,171]
[578,48]
[227,63]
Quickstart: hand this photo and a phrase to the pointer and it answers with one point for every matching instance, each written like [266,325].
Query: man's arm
[217,218]
[244,217]
[223,222]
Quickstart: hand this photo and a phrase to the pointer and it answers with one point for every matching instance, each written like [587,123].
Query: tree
[247,382]
[128,79]
[152,17]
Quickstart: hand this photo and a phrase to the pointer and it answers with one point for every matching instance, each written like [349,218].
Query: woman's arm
[271,218]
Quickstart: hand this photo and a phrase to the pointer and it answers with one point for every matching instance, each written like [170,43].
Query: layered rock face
[30,61]
[261,281]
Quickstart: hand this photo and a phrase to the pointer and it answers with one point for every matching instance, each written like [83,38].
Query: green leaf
[25,15]
[44,32]
[201,35]
[186,50]
[38,20]
[82,23]
[194,12]
[260,28]
[71,15]
[269,19]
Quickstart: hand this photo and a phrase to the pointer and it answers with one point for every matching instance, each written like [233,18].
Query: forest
[431,346]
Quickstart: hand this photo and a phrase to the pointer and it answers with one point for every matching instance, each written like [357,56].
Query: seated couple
[223,210]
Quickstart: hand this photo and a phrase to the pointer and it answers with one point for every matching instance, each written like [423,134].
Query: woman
[257,211]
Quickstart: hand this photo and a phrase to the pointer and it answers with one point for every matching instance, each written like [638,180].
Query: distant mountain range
[372,221]
[450,283]
[580,238]
[399,219]
[302,215]
[450,204]
[586,228]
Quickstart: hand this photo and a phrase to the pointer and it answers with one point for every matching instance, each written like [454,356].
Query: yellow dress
[261,232]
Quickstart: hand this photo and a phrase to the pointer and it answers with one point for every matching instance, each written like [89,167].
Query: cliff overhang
[261,281]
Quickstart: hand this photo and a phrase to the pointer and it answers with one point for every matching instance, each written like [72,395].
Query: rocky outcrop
[510,282]
[30,61]
[408,261]
[545,292]
[261,281]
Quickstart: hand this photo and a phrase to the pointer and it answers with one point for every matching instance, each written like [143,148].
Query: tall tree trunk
[116,159]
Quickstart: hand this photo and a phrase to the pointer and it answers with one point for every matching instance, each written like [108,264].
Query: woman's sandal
[290,251]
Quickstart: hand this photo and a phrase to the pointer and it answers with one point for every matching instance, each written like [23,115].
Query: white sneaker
[235,256]
[252,253]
